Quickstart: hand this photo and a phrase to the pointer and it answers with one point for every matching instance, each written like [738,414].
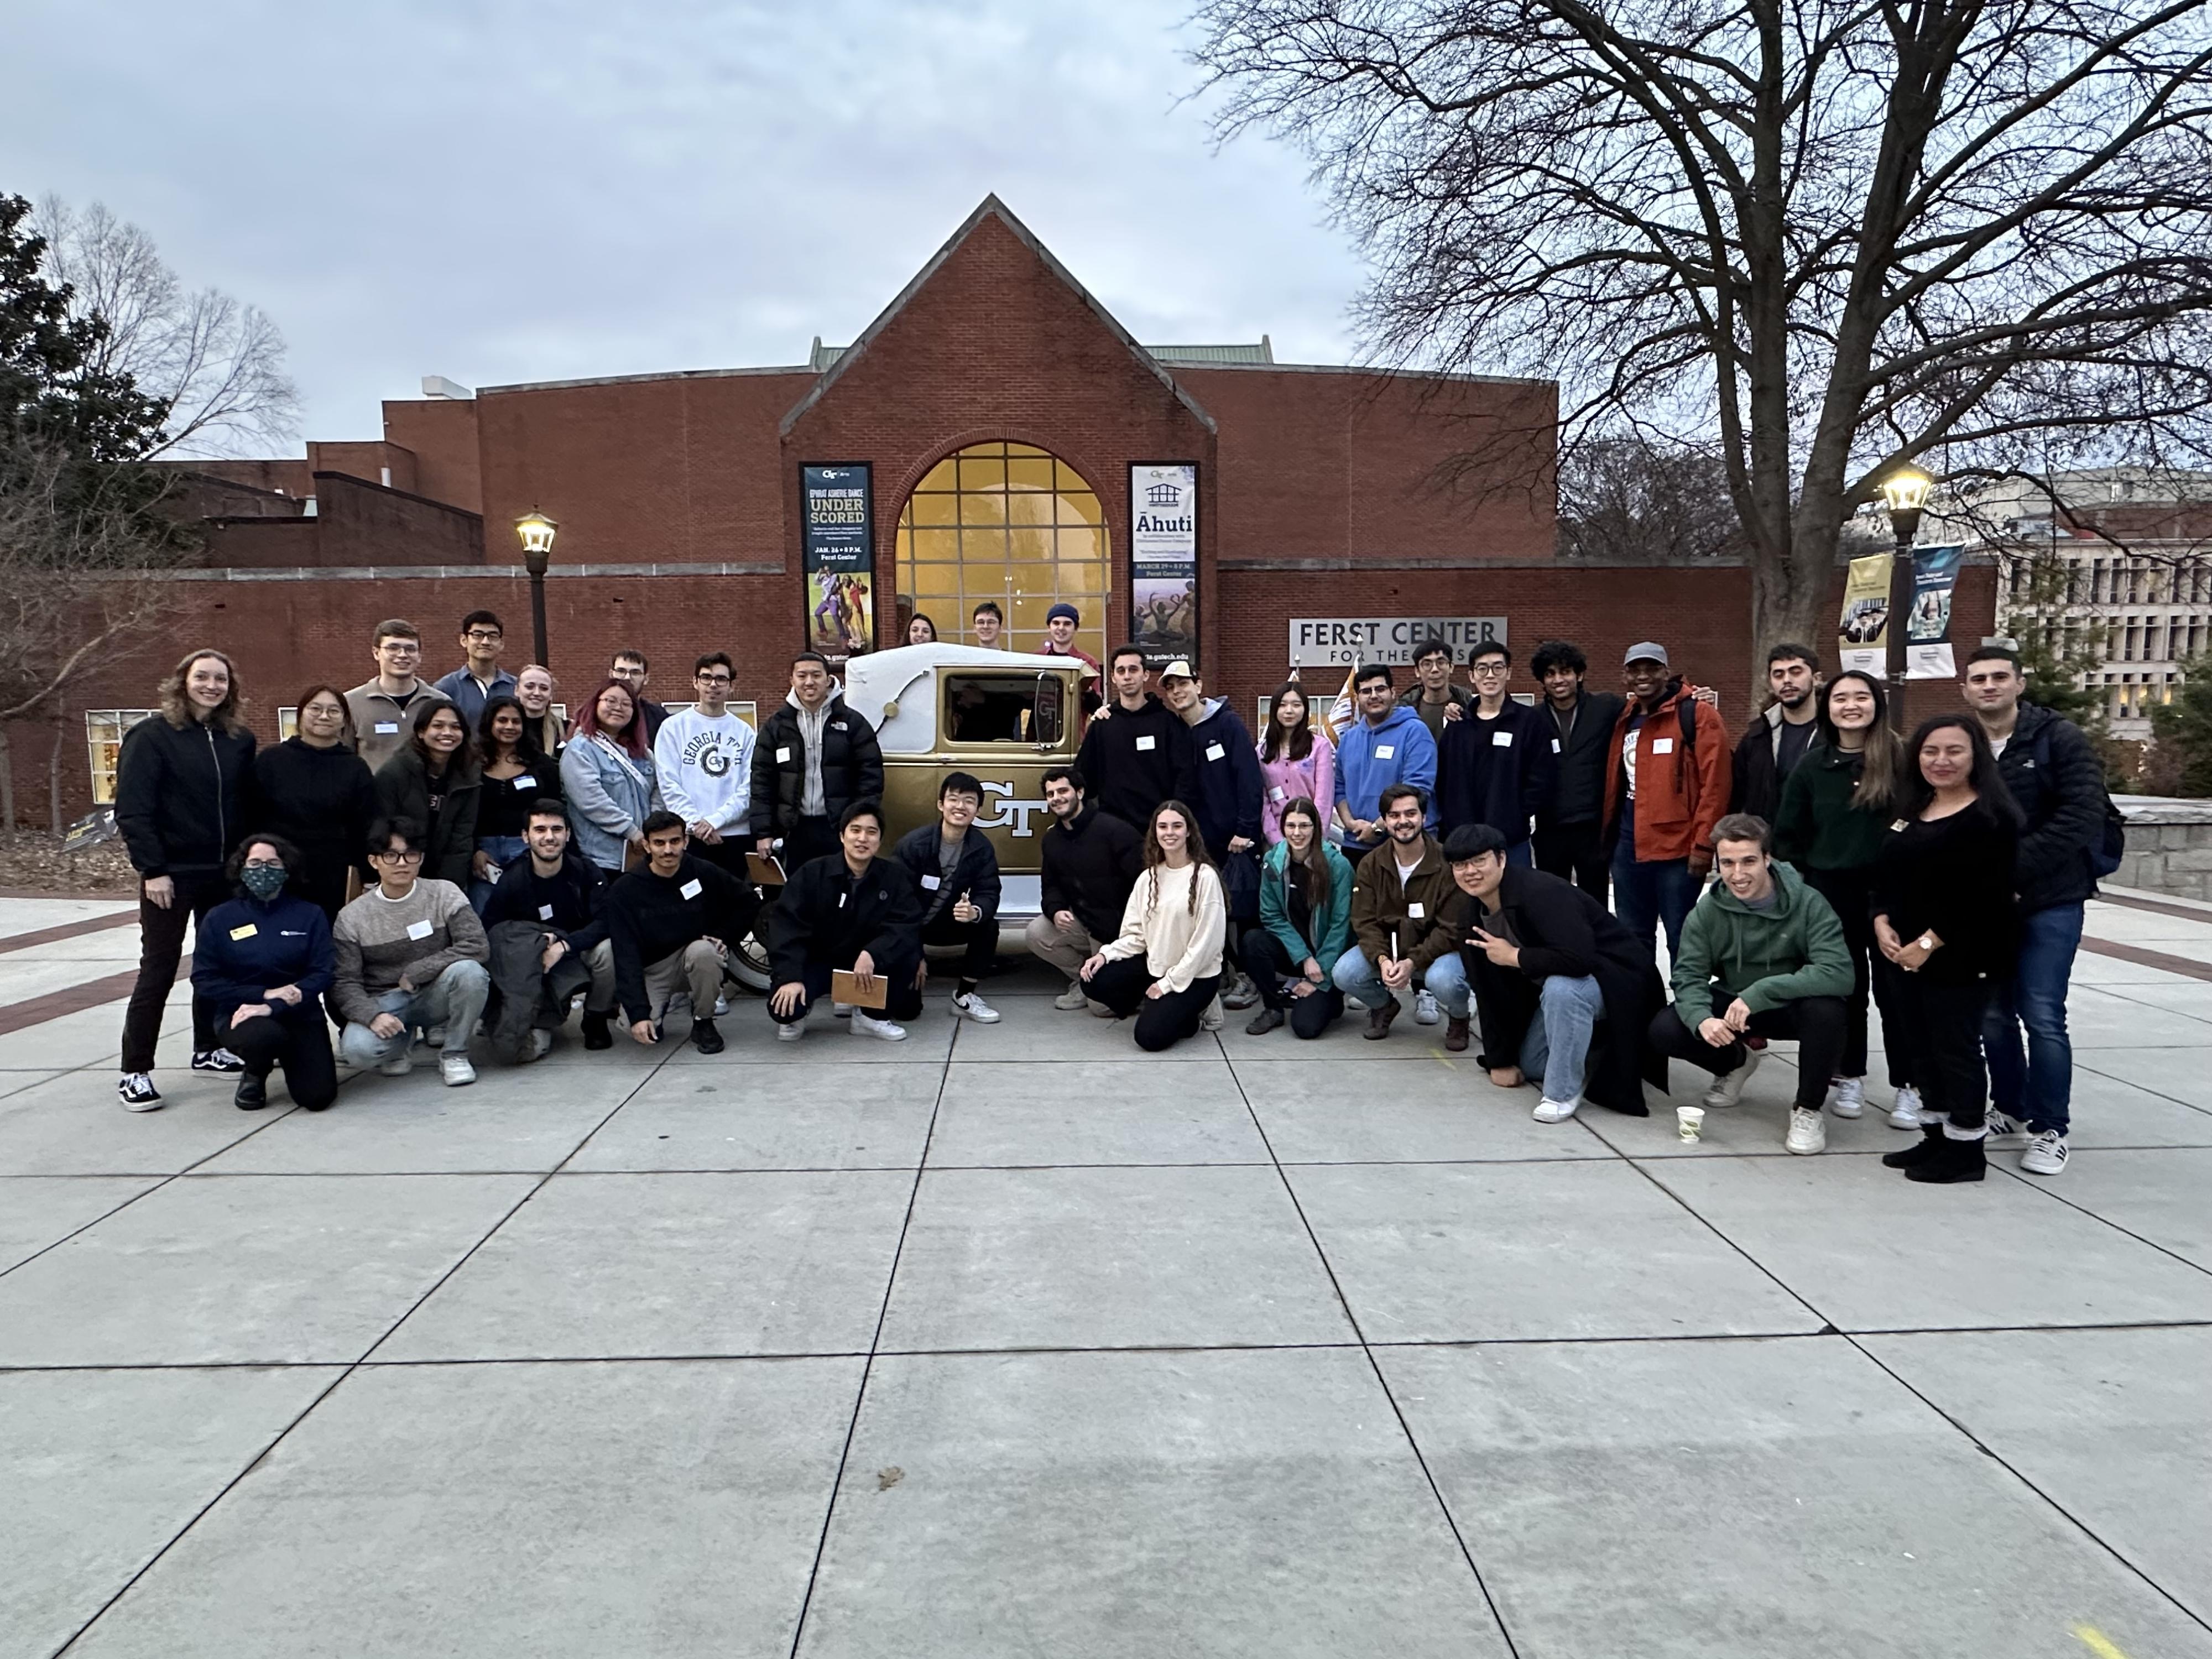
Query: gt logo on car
[1007,812]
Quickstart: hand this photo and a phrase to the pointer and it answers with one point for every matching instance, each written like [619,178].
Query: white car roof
[882,677]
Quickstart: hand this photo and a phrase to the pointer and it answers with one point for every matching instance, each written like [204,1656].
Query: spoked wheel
[748,964]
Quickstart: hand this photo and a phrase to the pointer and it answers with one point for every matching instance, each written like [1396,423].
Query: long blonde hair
[177,709]
[1155,857]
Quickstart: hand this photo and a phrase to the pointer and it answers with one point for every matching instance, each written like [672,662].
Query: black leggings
[301,1043]
[1940,1027]
[1815,1022]
[980,938]
[1162,1021]
[1266,961]
[1847,892]
[161,948]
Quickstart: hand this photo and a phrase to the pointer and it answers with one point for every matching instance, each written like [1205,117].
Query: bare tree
[217,364]
[1831,237]
[1637,501]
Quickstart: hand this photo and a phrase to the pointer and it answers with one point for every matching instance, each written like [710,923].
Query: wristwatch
[1926,941]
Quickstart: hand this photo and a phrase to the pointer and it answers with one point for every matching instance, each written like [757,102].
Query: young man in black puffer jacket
[814,759]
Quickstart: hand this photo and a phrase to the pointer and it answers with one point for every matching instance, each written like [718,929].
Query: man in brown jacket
[1667,786]
[1399,941]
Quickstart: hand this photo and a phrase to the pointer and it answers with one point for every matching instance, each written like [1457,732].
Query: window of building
[1010,522]
[103,735]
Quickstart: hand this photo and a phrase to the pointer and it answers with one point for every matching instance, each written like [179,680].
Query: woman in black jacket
[851,910]
[434,781]
[319,795]
[1944,914]
[265,961]
[180,787]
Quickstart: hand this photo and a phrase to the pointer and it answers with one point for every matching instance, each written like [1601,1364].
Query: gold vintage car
[1004,716]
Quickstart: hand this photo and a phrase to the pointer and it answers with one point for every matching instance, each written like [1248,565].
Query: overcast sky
[522,190]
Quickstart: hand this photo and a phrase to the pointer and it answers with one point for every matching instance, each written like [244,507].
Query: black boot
[253,1093]
[1931,1140]
[704,1038]
[596,1035]
[1954,1160]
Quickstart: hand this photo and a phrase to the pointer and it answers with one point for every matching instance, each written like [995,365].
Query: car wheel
[749,964]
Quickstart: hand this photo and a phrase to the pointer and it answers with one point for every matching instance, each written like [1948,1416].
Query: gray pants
[600,960]
[455,1000]
[696,970]
[1064,951]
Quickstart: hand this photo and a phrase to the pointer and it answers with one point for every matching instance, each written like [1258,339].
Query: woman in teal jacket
[1306,923]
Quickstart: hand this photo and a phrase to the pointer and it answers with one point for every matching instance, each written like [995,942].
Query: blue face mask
[264,881]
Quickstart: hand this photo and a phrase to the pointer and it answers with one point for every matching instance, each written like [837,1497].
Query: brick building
[1001,413]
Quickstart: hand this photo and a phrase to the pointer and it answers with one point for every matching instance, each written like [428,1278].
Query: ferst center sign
[1320,641]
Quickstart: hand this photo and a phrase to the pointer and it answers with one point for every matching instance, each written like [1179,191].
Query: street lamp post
[1905,490]
[537,531]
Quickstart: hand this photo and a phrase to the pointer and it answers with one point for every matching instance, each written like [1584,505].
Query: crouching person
[671,923]
[409,954]
[1165,965]
[1762,954]
[549,940]
[1564,990]
[263,960]
[1306,923]
[851,910]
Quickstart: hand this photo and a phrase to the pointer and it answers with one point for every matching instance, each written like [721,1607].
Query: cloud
[519,191]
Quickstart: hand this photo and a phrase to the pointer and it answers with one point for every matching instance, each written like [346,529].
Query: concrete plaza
[1012,1340]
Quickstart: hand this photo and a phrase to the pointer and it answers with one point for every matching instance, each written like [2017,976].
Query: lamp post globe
[537,531]
[1905,490]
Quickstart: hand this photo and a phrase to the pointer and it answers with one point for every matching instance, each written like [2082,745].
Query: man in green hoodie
[1762,954]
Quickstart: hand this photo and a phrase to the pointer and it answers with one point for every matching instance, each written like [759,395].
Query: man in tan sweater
[409,953]
[1398,894]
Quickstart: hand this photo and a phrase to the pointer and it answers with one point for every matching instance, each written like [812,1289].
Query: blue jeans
[502,850]
[455,1000]
[2038,1089]
[1659,892]
[1445,980]
[1556,1051]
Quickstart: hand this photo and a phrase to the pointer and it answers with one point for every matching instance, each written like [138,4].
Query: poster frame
[818,544]
[1157,656]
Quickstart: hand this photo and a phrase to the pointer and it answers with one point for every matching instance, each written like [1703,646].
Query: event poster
[1164,561]
[1863,633]
[836,510]
[1928,654]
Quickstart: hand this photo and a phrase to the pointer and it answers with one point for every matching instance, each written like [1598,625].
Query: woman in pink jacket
[1296,760]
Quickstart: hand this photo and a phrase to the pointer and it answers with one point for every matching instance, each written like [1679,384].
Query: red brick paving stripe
[2181,910]
[75,999]
[66,930]
[2103,947]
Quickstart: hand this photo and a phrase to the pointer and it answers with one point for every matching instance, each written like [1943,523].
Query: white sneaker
[1425,1012]
[866,1025]
[137,1093]
[1847,1096]
[721,1007]
[398,1066]
[1555,1111]
[1073,998]
[541,1042]
[1211,1020]
[1808,1132]
[1905,1111]
[2006,1130]
[456,1070]
[2045,1154]
[973,1006]
[1728,1090]
[791,1032]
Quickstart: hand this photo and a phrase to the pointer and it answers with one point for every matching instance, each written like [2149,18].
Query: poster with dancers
[1164,561]
[837,503]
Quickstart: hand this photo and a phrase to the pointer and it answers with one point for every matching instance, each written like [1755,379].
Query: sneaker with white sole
[2045,1154]
[455,1070]
[721,1007]
[1847,1096]
[1425,1012]
[1073,998]
[2006,1130]
[1905,1111]
[1213,1018]
[137,1093]
[1728,1089]
[541,1042]
[1555,1111]
[791,1032]
[867,1026]
[217,1060]
[970,1005]
[1808,1132]
[398,1066]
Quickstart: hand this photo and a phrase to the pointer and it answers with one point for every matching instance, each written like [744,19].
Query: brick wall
[442,437]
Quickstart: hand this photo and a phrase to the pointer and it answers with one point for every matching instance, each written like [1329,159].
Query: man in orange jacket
[1667,785]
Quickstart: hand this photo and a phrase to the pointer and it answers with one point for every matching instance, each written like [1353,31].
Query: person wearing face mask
[609,779]
[264,961]
[956,870]
[1779,739]
[183,786]
[434,782]
[1306,923]
[318,794]
[534,688]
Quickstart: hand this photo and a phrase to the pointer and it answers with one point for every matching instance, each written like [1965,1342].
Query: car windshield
[1002,709]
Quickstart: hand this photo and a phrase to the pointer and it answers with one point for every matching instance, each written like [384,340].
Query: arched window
[1008,522]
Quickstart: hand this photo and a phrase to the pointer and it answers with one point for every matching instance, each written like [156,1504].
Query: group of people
[1453,845]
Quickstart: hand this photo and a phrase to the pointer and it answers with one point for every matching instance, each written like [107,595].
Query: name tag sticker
[1416,913]
[544,912]
[418,930]
[246,932]
[387,728]
[526,781]
[1215,752]
[1663,745]
[692,888]
[1146,745]
[1278,795]
[1555,745]
[933,883]
[1900,824]
[1501,740]
[1385,750]
[781,756]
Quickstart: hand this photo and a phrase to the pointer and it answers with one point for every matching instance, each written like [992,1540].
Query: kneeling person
[671,924]
[263,960]
[1762,954]
[1399,941]
[548,936]
[409,953]
[850,910]
[956,869]
[1548,962]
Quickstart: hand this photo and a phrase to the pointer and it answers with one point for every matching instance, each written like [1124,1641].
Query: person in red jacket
[1667,786]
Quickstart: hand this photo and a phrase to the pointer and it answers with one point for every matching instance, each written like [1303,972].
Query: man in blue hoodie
[1227,789]
[1387,744]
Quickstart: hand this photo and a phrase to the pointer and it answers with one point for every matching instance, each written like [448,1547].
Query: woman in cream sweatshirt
[1165,967]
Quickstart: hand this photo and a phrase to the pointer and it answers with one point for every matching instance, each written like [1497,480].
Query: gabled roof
[992,207]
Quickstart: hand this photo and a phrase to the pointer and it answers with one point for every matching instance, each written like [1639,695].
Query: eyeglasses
[410,856]
[401,648]
[712,679]
[263,864]
[484,635]
[1489,671]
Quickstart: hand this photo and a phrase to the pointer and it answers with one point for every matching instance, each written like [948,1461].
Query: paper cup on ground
[1690,1121]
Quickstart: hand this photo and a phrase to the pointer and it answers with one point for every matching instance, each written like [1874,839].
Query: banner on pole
[1862,631]
[837,505]
[1928,654]
[1164,561]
